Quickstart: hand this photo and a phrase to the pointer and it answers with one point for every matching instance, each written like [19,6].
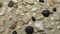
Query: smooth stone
[29,1]
[2,13]
[11,4]
[29,29]
[1,24]
[15,1]
[14,32]
[39,25]
[2,30]
[58,27]
[34,9]
[25,19]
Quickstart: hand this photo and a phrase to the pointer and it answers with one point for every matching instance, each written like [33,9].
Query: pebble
[18,27]
[1,4]
[33,19]
[15,5]
[3,19]
[26,19]
[55,17]
[1,24]
[2,13]
[54,9]
[2,30]
[39,25]
[14,32]
[41,1]
[11,4]
[34,9]
[29,1]
[58,27]
[29,29]
[15,1]
[12,26]
[45,13]
[8,30]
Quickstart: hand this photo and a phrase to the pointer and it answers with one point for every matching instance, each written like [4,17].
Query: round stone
[33,19]
[14,32]
[54,9]
[11,4]
[45,13]
[29,29]
[41,1]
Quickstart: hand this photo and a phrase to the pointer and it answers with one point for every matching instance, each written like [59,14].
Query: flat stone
[34,9]
[29,1]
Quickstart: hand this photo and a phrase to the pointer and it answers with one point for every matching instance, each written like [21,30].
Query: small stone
[26,19]
[58,27]
[8,30]
[33,19]
[15,1]
[11,4]
[54,9]
[39,25]
[41,1]
[12,26]
[15,5]
[45,13]
[1,4]
[29,29]
[18,27]
[2,13]
[1,24]
[14,32]
[40,17]
[3,19]
[29,1]
[2,30]
[34,9]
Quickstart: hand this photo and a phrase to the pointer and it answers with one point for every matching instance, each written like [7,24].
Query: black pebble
[33,19]
[41,1]
[29,30]
[11,4]
[45,13]
[54,9]
[14,32]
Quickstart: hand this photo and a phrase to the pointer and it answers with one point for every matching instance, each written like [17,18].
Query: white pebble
[26,19]
[29,1]
[34,9]
[15,1]
[39,25]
